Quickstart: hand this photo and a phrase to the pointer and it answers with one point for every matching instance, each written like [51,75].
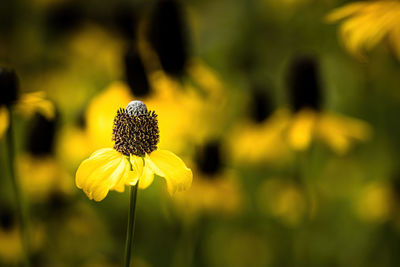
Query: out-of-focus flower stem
[17,193]
[131,224]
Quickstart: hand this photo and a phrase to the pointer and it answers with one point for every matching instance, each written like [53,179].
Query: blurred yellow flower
[10,239]
[271,145]
[337,131]
[39,172]
[216,189]
[11,250]
[73,145]
[309,121]
[217,194]
[375,202]
[282,199]
[41,176]
[135,158]
[101,111]
[368,23]
[27,104]
[31,103]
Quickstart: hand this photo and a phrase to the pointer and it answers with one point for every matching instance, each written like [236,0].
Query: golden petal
[166,164]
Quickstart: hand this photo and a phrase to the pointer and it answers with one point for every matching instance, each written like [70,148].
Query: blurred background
[287,119]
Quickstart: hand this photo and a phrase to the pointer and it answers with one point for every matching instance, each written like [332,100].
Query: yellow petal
[345,11]
[30,103]
[104,170]
[166,164]
[4,120]
[147,177]
[301,131]
[137,170]
[340,132]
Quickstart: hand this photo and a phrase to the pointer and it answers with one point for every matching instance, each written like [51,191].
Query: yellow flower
[282,199]
[367,24]
[31,103]
[41,176]
[375,202]
[10,239]
[271,145]
[135,157]
[27,104]
[11,248]
[215,194]
[309,121]
[337,131]
[100,113]
[216,190]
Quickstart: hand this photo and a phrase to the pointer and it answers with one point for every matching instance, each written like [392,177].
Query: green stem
[131,224]
[17,193]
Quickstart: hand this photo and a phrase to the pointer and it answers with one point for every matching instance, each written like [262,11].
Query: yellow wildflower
[135,157]
[337,131]
[375,202]
[368,23]
[216,189]
[309,121]
[26,104]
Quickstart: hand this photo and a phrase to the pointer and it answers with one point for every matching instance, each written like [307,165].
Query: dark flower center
[135,73]
[8,86]
[304,84]
[40,138]
[209,159]
[135,130]
[168,36]
[261,105]
[7,220]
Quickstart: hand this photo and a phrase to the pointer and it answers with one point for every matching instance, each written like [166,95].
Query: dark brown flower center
[8,86]
[135,133]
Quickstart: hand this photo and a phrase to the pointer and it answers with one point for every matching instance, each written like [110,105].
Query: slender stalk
[17,193]
[131,224]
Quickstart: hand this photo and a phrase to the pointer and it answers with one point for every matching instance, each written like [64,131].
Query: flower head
[135,157]
[135,130]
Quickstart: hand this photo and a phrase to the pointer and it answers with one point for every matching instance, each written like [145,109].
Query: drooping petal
[345,11]
[166,164]
[137,170]
[104,170]
[301,131]
[147,177]
[4,120]
[341,132]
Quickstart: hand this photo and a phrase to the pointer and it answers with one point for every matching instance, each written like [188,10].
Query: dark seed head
[168,36]
[7,219]
[41,136]
[135,73]
[135,130]
[304,84]
[209,159]
[261,106]
[8,86]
